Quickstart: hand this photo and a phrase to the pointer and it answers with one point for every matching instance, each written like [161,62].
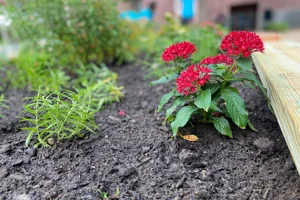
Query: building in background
[162,7]
[236,14]
[251,14]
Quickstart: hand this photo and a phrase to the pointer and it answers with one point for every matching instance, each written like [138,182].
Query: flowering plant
[205,89]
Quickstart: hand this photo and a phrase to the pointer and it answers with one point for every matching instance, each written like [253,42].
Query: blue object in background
[146,13]
[130,15]
[188,9]
[136,16]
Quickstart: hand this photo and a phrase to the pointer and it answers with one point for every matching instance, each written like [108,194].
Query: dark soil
[135,156]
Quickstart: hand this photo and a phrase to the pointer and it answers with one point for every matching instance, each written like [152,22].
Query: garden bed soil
[133,157]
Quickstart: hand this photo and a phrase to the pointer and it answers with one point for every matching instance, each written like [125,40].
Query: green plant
[33,69]
[104,195]
[277,26]
[65,114]
[2,103]
[72,29]
[206,89]
[59,116]
[99,82]
[154,39]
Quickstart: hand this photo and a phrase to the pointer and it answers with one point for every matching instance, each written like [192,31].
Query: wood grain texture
[279,70]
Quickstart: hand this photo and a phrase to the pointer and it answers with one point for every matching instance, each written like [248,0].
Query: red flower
[242,43]
[191,78]
[179,50]
[218,59]
[122,113]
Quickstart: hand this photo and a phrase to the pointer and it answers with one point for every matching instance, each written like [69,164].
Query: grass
[2,103]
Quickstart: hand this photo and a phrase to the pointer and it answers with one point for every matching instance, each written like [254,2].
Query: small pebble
[23,197]
[50,141]
[5,148]
[263,143]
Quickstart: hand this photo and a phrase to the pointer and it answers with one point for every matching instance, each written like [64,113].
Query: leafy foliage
[33,70]
[155,39]
[60,115]
[206,90]
[78,30]
[65,114]
[277,26]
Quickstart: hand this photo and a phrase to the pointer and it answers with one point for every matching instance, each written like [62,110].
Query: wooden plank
[279,70]
[289,48]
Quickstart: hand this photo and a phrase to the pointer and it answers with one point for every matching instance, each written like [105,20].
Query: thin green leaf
[165,79]
[251,126]
[28,138]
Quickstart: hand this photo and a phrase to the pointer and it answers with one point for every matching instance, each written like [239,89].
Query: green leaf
[212,86]
[178,102]
[165,79]
[249,84]
[252,78]
[217,69]
[222,125]
[203,100]
[182,117]
[213,106]
[245,63]
[235,106]
[164,99]
[251,126]
[28,138]
[248,76]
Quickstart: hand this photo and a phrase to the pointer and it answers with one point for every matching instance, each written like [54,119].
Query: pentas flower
[180,50]
[242,43]
[192,78]
[218,59]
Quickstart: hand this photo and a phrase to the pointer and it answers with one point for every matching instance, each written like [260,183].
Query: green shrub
[72,29]
[277,26]
[34,70]
[100,83]
[154,39]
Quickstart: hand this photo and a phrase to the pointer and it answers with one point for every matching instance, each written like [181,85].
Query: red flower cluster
[242,43]
[191,78]
[179,50]
[218,59]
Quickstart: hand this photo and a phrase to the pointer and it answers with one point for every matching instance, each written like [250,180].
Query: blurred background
[234,14]
[119,30]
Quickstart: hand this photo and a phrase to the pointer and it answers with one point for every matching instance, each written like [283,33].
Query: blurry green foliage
[277,26]
[87,30]
[155,39]
[35,70]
